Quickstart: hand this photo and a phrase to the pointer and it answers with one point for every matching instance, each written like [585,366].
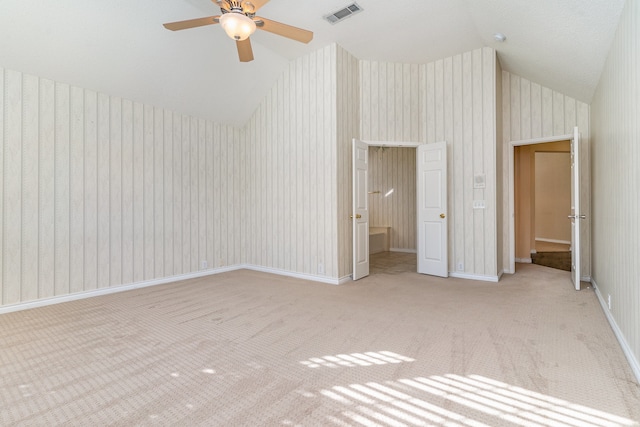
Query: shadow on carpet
[559,260]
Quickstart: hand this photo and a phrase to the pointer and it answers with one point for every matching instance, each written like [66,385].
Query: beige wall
[531,111]
[394,169]
[524,192]
[616,183]
[552,196]
[99,191]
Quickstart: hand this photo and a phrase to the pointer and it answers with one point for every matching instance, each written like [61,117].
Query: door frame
[511,190]
[396,144]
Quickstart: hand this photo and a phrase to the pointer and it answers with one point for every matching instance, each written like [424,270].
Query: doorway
[542,190]
[575,215]
[392,209]
[430,236]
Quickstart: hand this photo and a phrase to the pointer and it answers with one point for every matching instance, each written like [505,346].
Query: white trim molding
[509,190]
[112,290]
[310,277]
[634,363]
[407,251]
[542,239]
[474,277]
[407,144]
[122,288]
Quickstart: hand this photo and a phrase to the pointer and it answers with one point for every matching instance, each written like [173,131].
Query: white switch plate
[478,181]
[478,204]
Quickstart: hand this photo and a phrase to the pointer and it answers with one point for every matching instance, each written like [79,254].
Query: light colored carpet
[252,349]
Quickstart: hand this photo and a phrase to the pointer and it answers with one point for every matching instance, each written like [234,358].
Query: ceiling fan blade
[191,23]
[284,30]
[245,53]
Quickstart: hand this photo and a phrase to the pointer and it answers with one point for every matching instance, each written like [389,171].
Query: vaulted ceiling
[120,46]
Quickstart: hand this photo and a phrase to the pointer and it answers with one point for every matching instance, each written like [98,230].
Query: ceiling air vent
[341,14]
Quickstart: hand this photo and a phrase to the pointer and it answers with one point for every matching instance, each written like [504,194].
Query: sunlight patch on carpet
[442,399]
[368,358]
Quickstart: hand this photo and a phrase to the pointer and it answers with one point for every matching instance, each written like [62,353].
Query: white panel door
[432,209]
[575,216]
[360,215]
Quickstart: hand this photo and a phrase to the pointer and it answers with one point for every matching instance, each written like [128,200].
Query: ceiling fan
[239,21]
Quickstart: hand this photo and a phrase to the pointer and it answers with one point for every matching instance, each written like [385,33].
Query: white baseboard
[631,358]
[524,260]
[112,290]
[542,239]
[473,276]
[311,277]
[345,279]
[409,251]
[122,288]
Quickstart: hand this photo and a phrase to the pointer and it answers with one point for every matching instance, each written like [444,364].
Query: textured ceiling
[120,47]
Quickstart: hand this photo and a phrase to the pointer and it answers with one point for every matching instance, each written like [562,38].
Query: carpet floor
[245,348]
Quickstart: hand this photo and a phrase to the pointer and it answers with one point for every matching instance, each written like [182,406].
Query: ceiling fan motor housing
[234,6]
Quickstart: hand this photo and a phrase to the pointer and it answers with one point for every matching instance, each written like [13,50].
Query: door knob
[442,215]
[358,216]
[576,216]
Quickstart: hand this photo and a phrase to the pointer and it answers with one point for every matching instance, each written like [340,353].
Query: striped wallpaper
[461,107]
[616,182]
[347,121]
[137,193]
[291,162]
[391,101]
[453,100]
[99,191]
[532,111]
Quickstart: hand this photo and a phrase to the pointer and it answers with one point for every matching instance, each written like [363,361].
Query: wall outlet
[320,268]
[609,301]
[460,266]
[203,264]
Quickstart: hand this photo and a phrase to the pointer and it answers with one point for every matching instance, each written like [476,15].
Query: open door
[575,216]
[360,215]
[432,209]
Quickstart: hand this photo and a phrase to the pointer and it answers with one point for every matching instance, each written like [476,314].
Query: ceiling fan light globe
[237,25]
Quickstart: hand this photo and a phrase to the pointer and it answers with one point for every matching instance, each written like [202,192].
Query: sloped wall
[290,166]
[533,111]
[99,191]
[616,183]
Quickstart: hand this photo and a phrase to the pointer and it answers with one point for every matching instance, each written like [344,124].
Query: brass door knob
[358,216]
[442,215]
